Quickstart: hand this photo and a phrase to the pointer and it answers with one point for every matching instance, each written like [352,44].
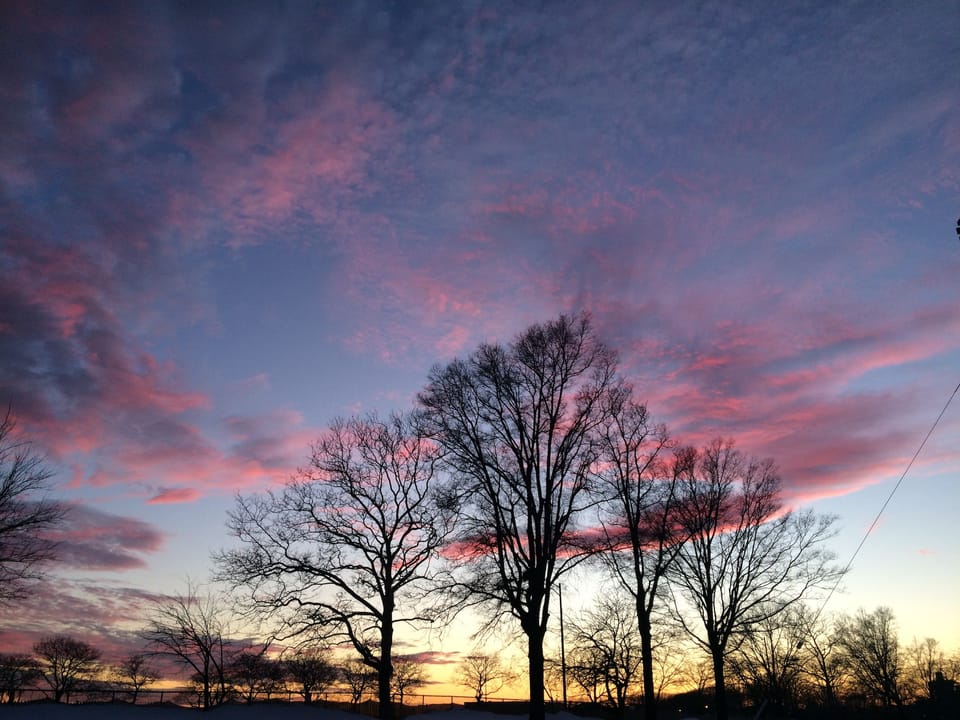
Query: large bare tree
[518,425]
[641,534]
[348,549]
[26,513]
[747,558]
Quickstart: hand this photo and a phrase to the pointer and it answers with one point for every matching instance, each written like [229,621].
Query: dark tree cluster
[520,463]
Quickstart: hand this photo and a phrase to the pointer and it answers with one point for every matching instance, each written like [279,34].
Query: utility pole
[563,649]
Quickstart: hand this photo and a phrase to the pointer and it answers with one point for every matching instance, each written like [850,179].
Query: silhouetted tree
[871,651]
[253,673]
[518,426]
[358,679]
[408,674]
[606,649]
[17,671]
[640,531]
[484,674]
[136,672]
[924,659]
[312,672]
[746,558]
[820,654]
[768,662]
[26,513]
[64,663]
[347,549]
[192,630]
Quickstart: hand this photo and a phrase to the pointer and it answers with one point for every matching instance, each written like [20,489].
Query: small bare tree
[136,672]
[65,662]
[349,549]
[408,674]
[871,650]
[484,674]
[358,679]
[17,672]
[606,657]
[746,558]
[252,674]
[26,514]
[311,670]
[191,630]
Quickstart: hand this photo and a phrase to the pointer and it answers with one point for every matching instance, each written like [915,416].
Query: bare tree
[408,674]
[310,669]
[484,674]
[358,678]
[192,630]
[518,426]
[925,659]
[17,672]
[136,672]
[606,649]
[746,558]
[641,535]
[348,549]
[26,513]
[64,663]
[872,652]
[821,657]
[769,664]
[252,673]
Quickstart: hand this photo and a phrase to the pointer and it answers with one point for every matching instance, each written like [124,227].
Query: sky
[223,225]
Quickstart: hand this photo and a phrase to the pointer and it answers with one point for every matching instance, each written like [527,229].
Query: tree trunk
[535,669]
[385,669]
[720,687]
[646,663]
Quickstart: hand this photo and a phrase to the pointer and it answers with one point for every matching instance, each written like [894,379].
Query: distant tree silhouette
[26,513]
[348,549]
[641,534]
[821,657]
[484,674]
[192,630]
[768,662]
[871,650]
[311,670]
[408,674]
[358,679]
[65,662]
[136,672]
[517,424]
[252,674]
[17,671]
[606,650]
[746,558]
[924,659]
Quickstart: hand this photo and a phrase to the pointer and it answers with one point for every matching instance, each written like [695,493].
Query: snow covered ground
[265,711]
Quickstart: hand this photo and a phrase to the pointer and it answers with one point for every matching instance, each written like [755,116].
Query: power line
[889,498]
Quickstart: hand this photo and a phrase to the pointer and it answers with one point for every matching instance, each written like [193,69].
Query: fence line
[188,696]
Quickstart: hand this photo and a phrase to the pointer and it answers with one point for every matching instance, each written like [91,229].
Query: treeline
[223,670]
[518,464]
[800,662]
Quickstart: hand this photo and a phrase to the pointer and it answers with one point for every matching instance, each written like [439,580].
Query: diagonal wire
[887,501]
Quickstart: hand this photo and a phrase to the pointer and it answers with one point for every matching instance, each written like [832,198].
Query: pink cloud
[174,495]
[91,539]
